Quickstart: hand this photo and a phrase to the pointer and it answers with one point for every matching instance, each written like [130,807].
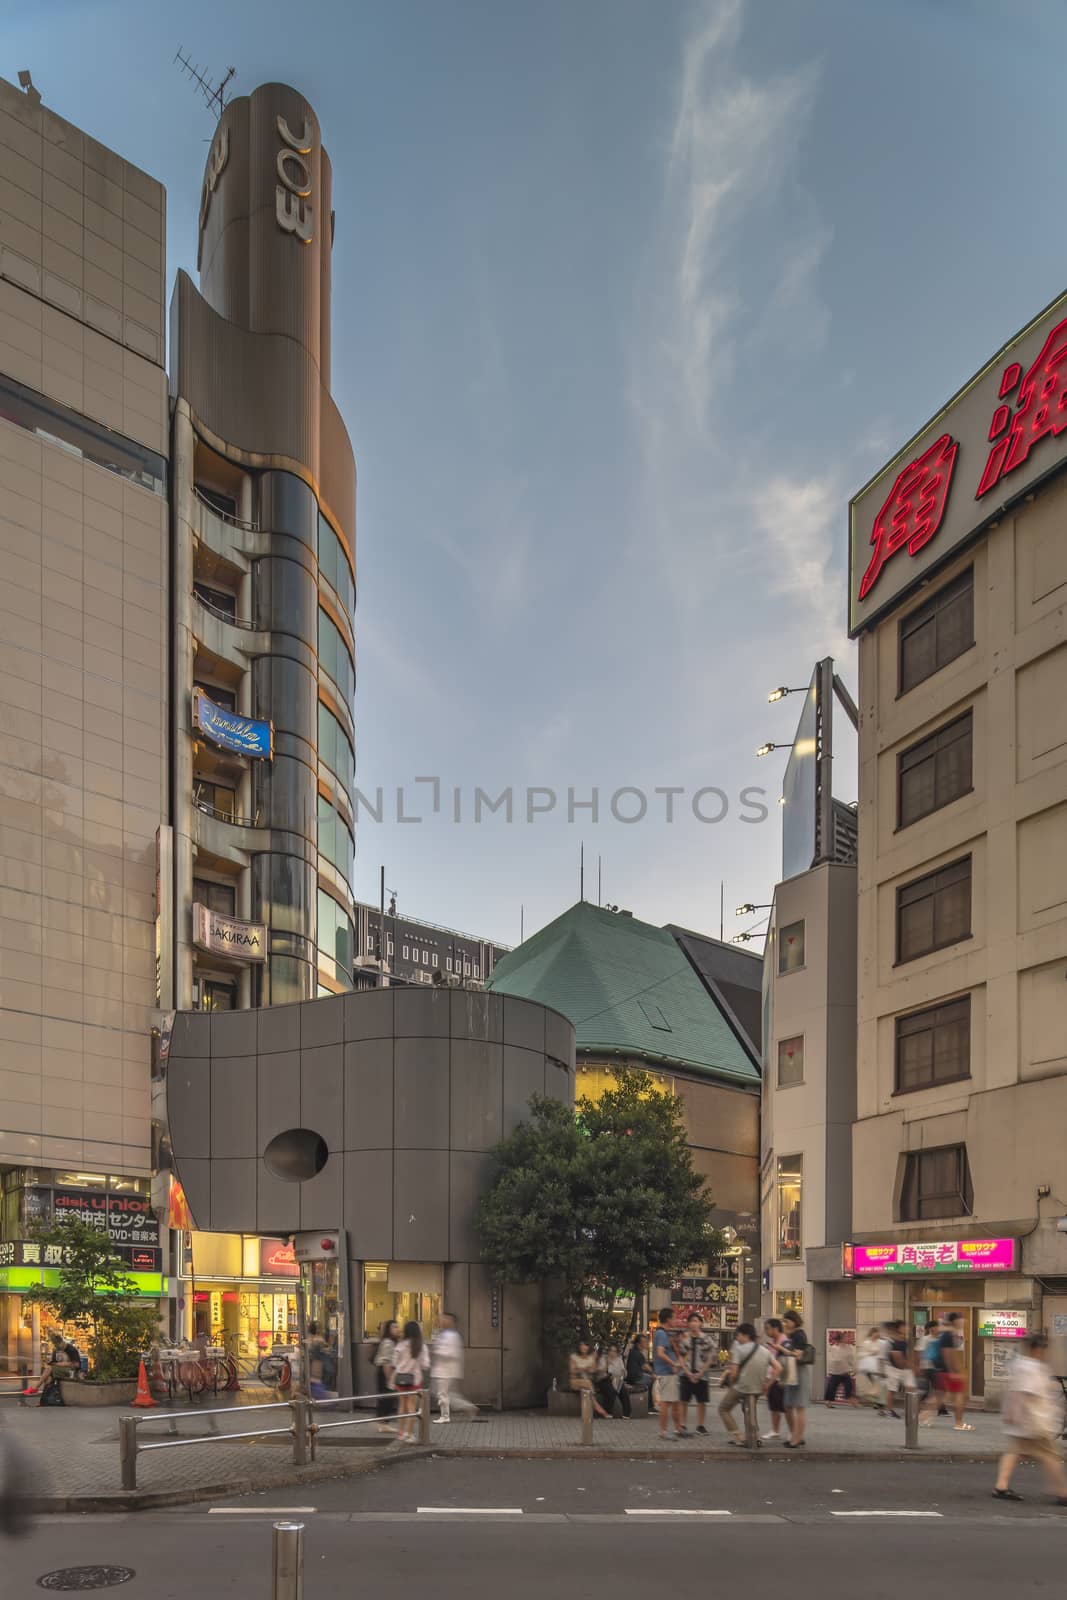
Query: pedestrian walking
[667,1367]
[384,1367]
[799,1356]
[1031,1416]
[840,1366]
[446,1368]
[871,1370]
[699,1351]
[411,1364]
[639,1369]
[584,1372]
[773,1336]
[751,1368]
[322,1364]
[899,1377]
[950,1382]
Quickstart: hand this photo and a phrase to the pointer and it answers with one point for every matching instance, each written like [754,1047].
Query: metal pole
[752,1438]
[424,1417]
[128,1451]
[287,1564]
[587,1416]
[303,1438]
[911,1419]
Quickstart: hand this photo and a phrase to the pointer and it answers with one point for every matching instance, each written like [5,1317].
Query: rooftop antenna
[214,93]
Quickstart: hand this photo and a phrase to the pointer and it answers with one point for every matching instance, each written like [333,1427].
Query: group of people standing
[683,1366]
[404,1362]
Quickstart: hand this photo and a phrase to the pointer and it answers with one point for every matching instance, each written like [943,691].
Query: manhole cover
[85,1578]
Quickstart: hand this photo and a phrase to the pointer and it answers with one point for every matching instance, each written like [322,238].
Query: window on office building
[791,947]
[937,1183]
[789,1183]
[936,771]
[218,897]
[934,1046]
[938,631]
[405,950]
[790,1062]
[216,996]
[934,911]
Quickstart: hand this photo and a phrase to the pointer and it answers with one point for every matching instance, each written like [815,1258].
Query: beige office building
[83,685]
[959,598]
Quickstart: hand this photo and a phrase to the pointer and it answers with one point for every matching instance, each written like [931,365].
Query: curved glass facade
[333,566]
[335,839]
[335,659]
[335,750]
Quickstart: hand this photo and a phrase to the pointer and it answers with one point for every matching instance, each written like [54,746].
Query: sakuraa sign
[1003,433]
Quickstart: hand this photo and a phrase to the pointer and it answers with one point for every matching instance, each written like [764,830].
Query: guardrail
[223,616]
[302,1428]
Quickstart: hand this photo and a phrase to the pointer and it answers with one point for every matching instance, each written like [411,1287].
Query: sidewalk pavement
[74,1454]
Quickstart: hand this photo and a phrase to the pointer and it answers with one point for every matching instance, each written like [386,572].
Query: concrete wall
[410,1089]
[83,606]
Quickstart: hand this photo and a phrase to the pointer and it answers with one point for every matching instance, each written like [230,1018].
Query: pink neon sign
[953,1255]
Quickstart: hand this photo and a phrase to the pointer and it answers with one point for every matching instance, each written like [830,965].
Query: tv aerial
[214,93]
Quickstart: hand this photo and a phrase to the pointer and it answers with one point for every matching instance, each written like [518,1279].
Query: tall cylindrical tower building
[263,591]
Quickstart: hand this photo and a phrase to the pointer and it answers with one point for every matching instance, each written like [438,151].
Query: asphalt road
[588,1529]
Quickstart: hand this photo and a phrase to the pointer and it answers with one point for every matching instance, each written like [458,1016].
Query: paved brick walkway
[75,1454]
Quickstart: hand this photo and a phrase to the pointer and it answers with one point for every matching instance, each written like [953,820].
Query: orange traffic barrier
[144,1396]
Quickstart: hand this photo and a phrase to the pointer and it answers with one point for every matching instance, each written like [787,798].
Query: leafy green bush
[96,1292]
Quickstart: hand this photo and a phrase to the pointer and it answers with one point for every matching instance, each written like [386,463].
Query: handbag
[404,1380]
[789,1375]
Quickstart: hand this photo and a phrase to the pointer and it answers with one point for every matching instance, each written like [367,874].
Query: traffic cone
[143,1397]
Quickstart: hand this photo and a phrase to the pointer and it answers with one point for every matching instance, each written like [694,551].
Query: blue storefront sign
[230,731]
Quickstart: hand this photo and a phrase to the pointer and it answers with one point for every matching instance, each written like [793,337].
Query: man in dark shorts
[699,1353]
[950,1382]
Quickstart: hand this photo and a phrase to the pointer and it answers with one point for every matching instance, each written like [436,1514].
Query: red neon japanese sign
[913,508]
[1040,409]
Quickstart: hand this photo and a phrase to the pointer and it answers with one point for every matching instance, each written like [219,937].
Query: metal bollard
[128,1451]
[748,1406]
[424,1417]
[303,1435]
[587,1416]
[911,1419]
[287,1563]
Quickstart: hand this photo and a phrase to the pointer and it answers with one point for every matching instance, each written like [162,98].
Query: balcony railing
[225,816]
[223,616]
[224,516]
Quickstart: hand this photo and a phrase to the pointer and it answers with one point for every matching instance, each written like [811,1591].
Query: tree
[605,1201]
[96,1292]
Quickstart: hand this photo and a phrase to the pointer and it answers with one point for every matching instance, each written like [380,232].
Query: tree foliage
[604,1200]
[96,1292]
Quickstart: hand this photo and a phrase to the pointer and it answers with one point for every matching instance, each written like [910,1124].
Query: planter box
[120,1392]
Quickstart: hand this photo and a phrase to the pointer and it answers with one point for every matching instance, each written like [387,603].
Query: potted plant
[94,1291]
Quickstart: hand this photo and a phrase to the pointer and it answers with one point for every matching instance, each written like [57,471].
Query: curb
[815,1457]
[112,1500]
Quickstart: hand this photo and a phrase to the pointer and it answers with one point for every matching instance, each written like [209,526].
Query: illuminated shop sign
[998,437]
[946,1256]
[230,731]
[1003,1324]
[228,936]
[31,1253]
[277,1259]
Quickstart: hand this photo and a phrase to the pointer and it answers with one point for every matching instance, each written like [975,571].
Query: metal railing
[225,516]
[223,616]
[225,816]
[302,1428]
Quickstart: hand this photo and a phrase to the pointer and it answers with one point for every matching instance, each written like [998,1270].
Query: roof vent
[623,913]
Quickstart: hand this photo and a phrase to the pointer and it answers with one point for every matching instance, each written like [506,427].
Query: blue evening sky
[629,296]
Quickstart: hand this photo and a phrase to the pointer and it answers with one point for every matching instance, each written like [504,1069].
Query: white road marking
[261,1511]
[469,1511]
[649,1511]
[885,1513]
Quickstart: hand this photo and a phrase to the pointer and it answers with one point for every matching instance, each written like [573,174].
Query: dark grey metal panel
[191,1034]
[524,1023]
[320,1197]
[189,1106]
[559,1038]
[559,1084]
[321,1022]
[368,1204]
[420,1097]
[470,1174]
[233,1192]
[368,1094]
[422,1013]
[477,1094]
[233,1108]
[457,1294]
[278,1095]
[477,1015]
[524,1075]
[277,1203]
[279,1029]
[480,1330]
[321,1097]
[369,1014]
[233,1033]
[195,1179]
[420,1219]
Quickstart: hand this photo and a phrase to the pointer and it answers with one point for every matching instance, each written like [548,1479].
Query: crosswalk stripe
[470,1511]
[885,1513]
[656,1511]
[261,1511]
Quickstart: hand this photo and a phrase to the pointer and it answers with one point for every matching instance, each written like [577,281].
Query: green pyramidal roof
[626,986]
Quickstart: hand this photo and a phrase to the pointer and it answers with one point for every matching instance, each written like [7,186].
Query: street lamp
[765,749]
[748,908]
[781,692]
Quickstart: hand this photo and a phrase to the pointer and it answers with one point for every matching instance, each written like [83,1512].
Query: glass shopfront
[238,1291]
[406,1291]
